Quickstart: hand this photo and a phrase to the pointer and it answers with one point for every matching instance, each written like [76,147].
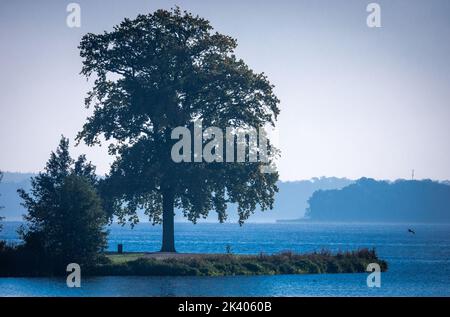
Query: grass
[230,264]
[116,258]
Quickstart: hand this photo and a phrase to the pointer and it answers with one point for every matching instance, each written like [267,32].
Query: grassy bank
[229,264]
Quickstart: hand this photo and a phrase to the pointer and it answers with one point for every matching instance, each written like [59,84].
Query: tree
[158,72]
[65,220]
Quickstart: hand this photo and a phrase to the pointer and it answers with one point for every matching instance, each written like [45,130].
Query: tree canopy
[161,71]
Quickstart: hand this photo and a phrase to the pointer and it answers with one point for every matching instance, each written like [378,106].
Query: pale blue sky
[355,101]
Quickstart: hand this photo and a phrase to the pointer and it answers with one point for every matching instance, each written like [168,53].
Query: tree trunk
[168,239]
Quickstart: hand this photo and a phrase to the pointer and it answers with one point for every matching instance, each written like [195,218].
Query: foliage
[65,220]
[161,71]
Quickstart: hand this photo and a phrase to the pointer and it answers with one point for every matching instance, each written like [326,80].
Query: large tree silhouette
[161,71]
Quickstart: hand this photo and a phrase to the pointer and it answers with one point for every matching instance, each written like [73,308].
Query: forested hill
[381,201]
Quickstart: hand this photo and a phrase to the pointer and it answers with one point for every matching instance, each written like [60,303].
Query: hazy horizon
[286,181]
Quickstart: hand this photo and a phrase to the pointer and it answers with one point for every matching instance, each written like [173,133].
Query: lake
[419,265]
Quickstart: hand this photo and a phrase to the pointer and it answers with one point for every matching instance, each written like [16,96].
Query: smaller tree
[65,220]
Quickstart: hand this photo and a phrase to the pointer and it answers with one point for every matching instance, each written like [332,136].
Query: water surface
[419,265]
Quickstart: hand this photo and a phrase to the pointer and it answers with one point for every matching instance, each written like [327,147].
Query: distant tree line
[371,200]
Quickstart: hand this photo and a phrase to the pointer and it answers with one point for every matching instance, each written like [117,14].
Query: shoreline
[198,264]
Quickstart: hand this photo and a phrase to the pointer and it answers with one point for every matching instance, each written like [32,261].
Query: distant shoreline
[310,221]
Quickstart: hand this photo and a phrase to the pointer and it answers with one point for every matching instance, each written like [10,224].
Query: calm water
[419,265]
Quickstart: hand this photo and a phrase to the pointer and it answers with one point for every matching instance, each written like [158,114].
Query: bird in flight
[411,231]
